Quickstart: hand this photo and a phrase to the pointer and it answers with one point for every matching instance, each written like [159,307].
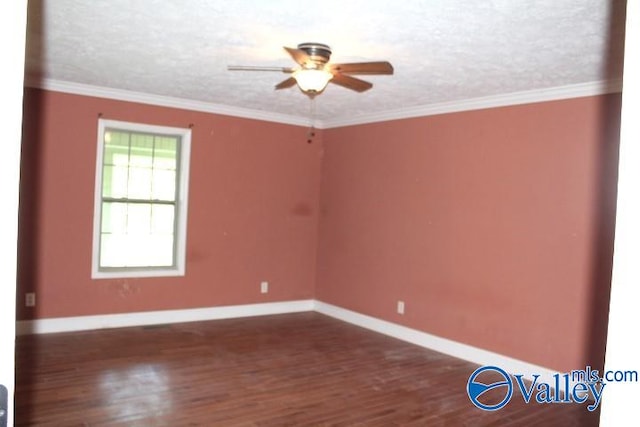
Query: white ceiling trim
[516,98]
[163,101]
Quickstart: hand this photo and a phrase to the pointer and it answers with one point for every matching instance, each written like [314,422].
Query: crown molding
[163,101]
[515,98]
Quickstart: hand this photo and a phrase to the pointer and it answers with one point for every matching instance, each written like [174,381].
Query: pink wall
[494,226]
[252,211]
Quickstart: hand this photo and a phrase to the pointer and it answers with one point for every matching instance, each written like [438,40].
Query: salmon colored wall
[252,211]
[494,226]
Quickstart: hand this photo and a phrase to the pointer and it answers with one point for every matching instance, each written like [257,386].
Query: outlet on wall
[400,307]
[264,287]
[30,299]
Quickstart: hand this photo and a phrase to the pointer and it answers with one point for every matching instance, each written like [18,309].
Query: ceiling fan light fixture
[312,80]
[314,71]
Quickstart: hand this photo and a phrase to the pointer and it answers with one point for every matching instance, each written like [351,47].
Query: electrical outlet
[264,287]
[400,307]
[30,299]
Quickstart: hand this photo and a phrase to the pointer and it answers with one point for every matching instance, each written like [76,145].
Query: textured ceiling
[442,50]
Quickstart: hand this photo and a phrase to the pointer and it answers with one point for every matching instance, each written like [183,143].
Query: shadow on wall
[606,197]
[30,166]
[31,163]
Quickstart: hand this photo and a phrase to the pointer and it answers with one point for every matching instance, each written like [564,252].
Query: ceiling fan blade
[380,67]
[298,55]
[350,82]
[286,83]
[258,68]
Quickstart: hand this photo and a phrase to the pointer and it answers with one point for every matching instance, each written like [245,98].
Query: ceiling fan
[314,72]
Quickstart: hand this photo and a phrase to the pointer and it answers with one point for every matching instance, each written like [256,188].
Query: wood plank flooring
[301,369]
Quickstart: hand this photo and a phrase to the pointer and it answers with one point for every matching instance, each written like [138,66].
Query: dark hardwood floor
[301,369]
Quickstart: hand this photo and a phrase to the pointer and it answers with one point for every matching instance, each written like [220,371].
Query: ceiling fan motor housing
[318,52]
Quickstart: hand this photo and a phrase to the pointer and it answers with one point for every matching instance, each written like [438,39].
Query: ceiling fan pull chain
[312,116]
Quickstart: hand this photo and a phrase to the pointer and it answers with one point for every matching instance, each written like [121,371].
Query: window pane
[141,150]
[152,250]
[165,153]
[164,162]
[114,218]
[139,183]
[114,181]
[116,148]
[111,250]
[162,219]
[132,237]
[138,219]
[116,156]
[165,156]
[126,250]
[164,184]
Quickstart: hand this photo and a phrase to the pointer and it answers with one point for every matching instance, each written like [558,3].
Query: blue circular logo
[475,388]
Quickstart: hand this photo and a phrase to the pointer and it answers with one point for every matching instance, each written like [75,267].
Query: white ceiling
[443,51]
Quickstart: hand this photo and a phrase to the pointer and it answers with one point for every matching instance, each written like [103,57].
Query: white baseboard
[433,342]
[82,323]
[423,339]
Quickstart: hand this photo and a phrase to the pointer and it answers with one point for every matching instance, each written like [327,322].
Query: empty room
[339,214]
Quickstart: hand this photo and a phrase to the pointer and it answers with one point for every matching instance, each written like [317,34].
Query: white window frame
[181,203]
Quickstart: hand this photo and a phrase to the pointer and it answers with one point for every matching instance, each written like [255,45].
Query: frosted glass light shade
[312,80]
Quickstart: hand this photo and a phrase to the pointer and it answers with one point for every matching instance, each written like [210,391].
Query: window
[140,200]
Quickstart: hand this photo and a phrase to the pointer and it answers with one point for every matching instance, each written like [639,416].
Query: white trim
[493,101]
[432,342]
[163,101]
[182,202]
[516,98]
[83,323]
[422,339]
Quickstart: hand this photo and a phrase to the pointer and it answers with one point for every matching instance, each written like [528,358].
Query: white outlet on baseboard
[400,307]
[30,299]
[264,287]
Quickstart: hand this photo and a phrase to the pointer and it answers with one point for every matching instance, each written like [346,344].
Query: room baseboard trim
[83,323]
[433,342]
[414,336]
